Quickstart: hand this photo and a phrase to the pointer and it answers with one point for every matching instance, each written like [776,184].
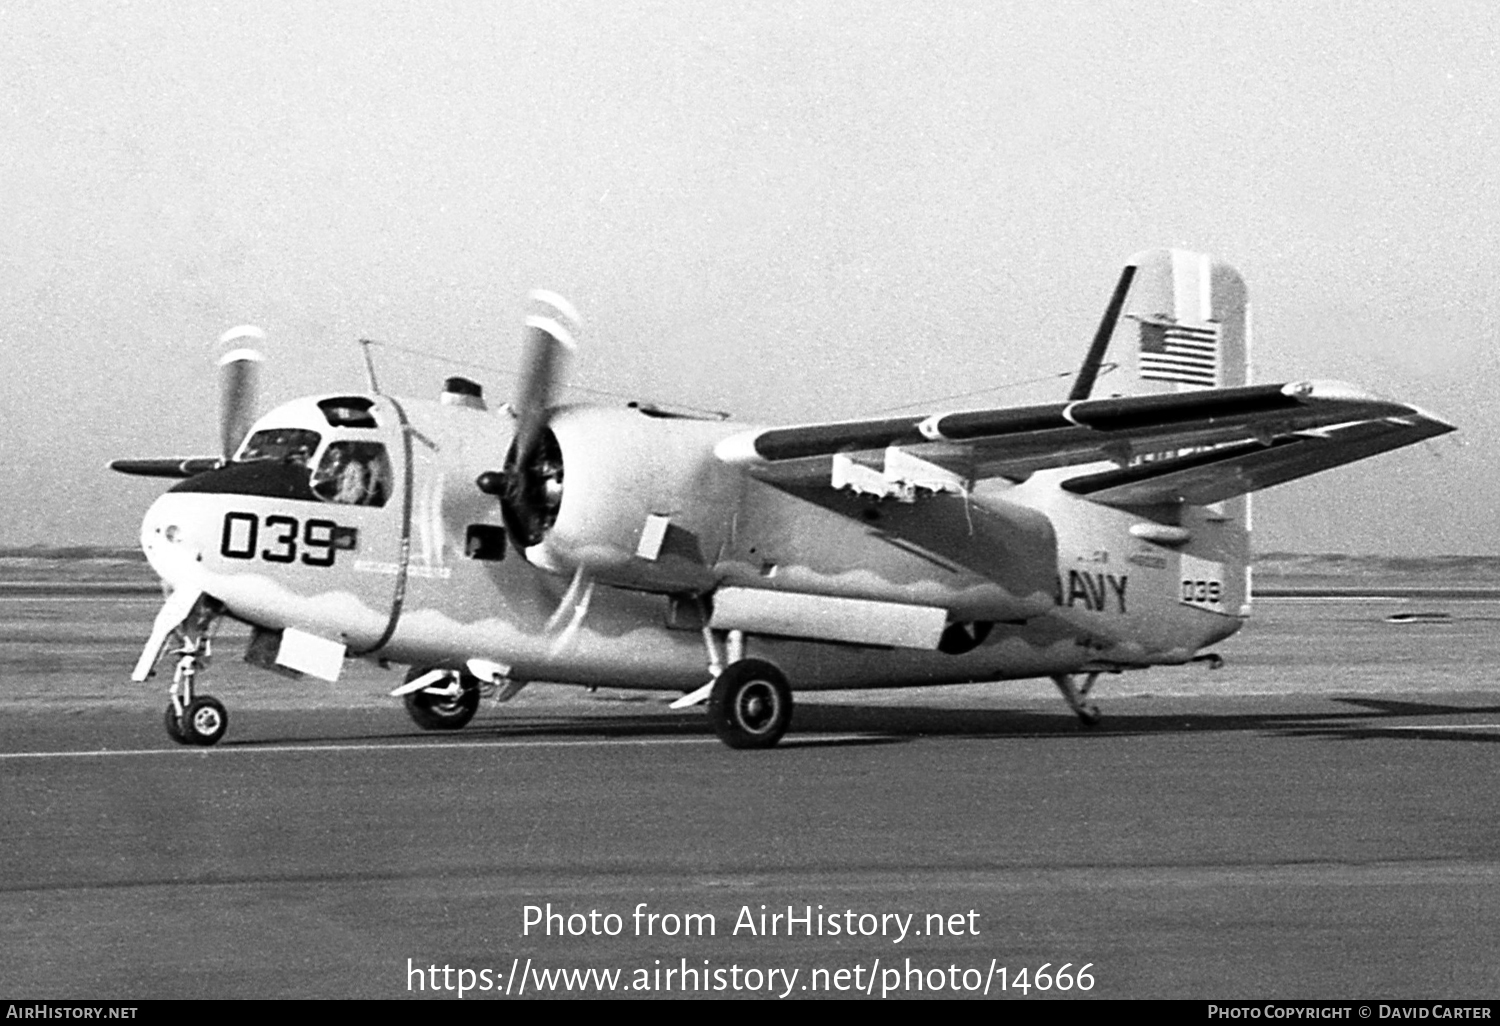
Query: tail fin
[1192,320]
[1178,322]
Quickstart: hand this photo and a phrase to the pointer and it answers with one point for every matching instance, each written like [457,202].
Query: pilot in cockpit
[353,474]
[341,477]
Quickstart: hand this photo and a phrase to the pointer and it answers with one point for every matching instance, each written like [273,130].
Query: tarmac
[1310,822]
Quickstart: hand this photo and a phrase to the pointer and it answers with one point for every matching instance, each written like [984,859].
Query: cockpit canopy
[343,465]
[281,444]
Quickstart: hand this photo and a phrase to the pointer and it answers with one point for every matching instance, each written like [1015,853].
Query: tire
[173,725]
[437,712]
[750,705]
[204,721]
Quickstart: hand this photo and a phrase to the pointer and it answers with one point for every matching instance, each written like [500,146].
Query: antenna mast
[364,347]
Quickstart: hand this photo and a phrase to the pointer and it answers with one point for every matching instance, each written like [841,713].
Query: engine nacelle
[630,498]
[643,502]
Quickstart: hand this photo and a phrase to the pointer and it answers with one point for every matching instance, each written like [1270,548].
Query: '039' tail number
[1209,593]
[315,541]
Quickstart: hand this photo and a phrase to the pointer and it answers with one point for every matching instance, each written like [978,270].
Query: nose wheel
[174,724]
[202,722]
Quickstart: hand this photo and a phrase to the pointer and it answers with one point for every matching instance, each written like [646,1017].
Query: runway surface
[1315,820]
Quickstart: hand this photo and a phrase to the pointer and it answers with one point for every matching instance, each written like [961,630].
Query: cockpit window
[353,473]
[281,444]
[348,411]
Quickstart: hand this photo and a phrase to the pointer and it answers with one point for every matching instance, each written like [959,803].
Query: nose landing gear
[194,719]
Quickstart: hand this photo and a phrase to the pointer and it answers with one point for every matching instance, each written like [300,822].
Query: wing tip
[1343,391]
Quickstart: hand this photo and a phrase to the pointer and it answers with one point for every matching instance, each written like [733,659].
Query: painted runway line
[415,746]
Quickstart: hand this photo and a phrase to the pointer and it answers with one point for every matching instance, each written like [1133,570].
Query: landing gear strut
[1077,697]
[194,719]
[749,700]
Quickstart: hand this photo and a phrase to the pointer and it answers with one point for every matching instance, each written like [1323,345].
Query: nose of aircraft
[171,538]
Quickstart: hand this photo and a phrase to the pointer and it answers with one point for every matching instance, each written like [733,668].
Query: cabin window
[281,444]
[485,541]
[348,411]
[353,474]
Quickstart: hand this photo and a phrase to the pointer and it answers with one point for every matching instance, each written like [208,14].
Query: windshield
[282,444]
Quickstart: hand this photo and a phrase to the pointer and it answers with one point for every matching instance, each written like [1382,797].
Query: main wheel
[440,712]
[174,725]
[204,721]
[750,705]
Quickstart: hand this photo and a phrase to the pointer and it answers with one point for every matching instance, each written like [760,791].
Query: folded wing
[1199,446]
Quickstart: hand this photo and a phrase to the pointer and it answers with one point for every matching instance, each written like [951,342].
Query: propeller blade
[171,466]
[239,372]
[549,341]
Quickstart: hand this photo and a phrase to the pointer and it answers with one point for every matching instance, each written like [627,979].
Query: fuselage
[358,519]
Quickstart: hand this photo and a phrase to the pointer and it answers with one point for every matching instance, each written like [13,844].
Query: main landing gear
[749,700]
[191,718]
[444,699]
[1077,697]
[447,701]
[750,705]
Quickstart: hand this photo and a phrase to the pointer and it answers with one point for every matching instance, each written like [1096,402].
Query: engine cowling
[633,500]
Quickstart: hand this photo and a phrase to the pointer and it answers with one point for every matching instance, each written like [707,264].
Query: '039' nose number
[316,541]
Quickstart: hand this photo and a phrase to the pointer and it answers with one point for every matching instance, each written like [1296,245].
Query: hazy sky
[787,211]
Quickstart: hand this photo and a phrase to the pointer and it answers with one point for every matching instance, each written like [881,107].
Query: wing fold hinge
[902,477]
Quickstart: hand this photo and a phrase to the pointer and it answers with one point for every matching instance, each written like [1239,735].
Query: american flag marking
[1183,353]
